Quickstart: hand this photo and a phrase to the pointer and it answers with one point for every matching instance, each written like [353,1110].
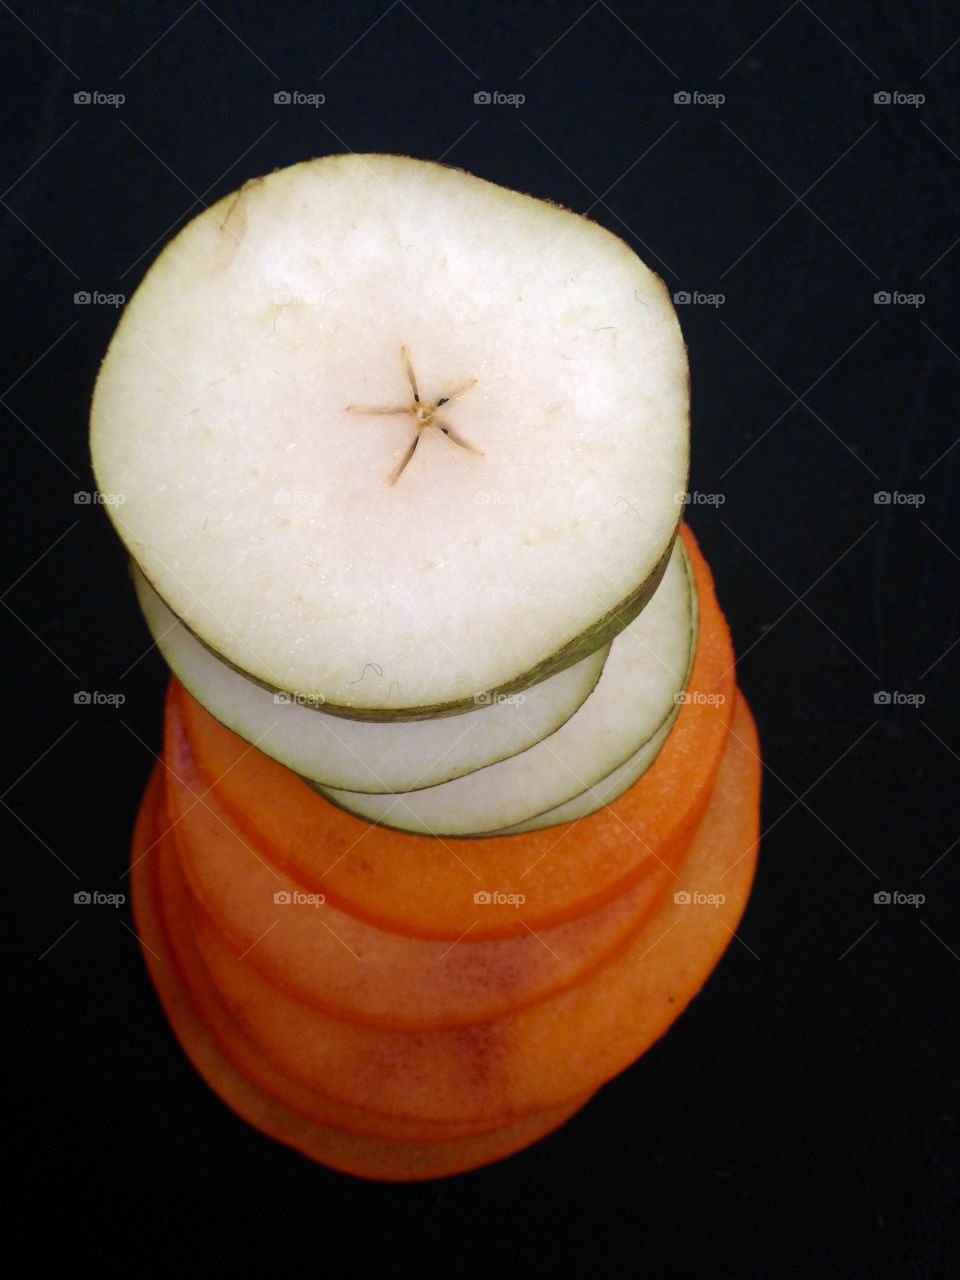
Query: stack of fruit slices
[458,804]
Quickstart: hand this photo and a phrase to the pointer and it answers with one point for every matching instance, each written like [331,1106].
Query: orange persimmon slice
[256,1097]
[349,969]
[174,903]
[550,1052]
[425,886]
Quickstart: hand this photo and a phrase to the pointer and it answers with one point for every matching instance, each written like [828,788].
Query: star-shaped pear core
[424,414]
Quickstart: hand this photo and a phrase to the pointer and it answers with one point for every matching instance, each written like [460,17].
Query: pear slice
[603,792]
[635,700]
[365,755]
[389,437]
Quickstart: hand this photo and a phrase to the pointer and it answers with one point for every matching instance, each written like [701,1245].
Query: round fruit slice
[438,888]
[365,1155]
[601,793]
[154,843]
[360,755]
[555,1050]
[351,970]
[389,437]
[173,902]
[616,783]
[636,697]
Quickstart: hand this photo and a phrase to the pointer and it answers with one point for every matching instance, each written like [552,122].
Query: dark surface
[799,1120]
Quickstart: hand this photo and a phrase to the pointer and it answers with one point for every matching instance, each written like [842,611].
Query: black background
[798,1120]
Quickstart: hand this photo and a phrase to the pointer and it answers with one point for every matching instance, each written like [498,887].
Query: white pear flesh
[646,671]
[372,756]
[602,793]
[257,402]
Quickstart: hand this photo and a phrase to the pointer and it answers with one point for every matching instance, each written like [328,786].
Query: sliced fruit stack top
[400,459]
[391,439]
